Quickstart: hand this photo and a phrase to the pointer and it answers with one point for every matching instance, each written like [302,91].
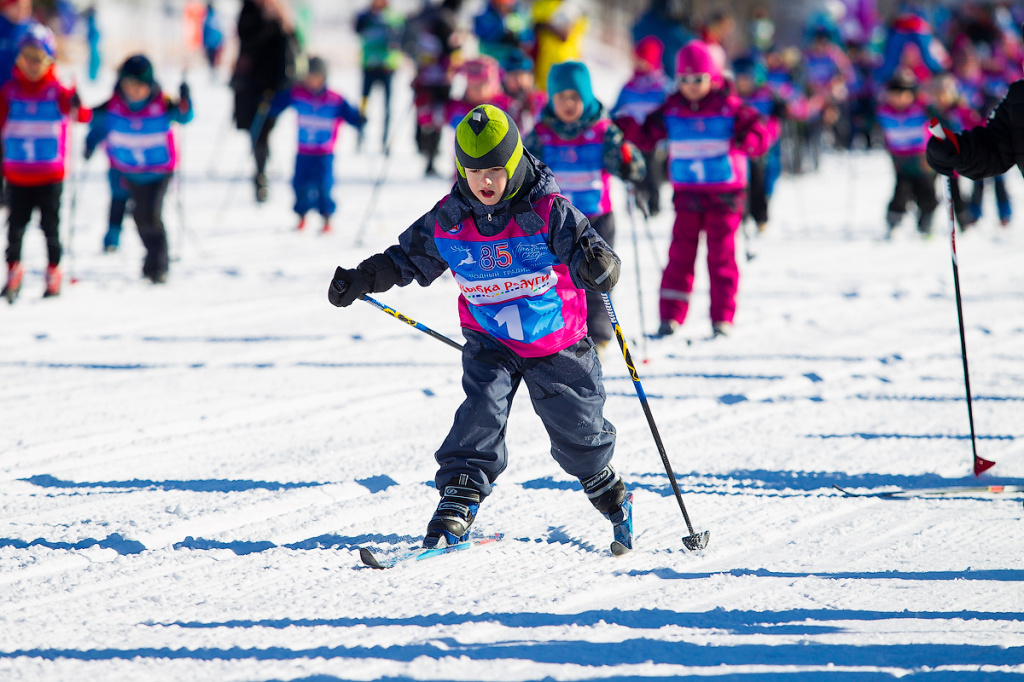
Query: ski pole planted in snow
[694,540]
[980,465]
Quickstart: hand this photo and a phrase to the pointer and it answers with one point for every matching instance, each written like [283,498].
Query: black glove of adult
[376,273]
[599,270]
[183,92]
[943,155]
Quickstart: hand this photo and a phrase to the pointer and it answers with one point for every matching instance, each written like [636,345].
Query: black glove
[599,270]
[376,273]
[183,92]
[943,155]
[348,285]
[87,154]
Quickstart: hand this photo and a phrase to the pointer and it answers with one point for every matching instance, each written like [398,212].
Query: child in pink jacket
[710,134]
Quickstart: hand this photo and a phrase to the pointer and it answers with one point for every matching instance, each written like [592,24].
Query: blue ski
[419,553]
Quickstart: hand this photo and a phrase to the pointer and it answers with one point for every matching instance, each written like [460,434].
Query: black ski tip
[366,556]
[618,549]
[697,541]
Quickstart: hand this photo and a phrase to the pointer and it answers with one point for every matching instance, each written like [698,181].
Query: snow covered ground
[187,470]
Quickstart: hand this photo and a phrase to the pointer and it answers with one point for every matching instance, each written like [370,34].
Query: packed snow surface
[188,470]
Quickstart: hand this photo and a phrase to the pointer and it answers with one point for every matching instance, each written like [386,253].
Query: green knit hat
[487,138]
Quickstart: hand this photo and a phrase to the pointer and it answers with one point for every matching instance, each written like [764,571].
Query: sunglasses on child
[694,78]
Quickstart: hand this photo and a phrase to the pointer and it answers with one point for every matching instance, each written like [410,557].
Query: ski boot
[14,274]
[327,226]
[924,224]
[719,329]
[892,219]
[53,278]
[668,328]
[608,494]
[302,224]
[454,515]
[112,239]
[262,188]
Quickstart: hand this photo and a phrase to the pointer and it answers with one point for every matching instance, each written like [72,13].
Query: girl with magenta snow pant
[136,124]
[320,113]
[521,256]
[710,134]
[583,148]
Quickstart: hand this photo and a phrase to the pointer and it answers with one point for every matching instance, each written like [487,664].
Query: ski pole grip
[940,131]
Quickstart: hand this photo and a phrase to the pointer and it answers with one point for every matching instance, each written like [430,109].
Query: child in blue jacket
[320,113]
[136,125]
[521,256]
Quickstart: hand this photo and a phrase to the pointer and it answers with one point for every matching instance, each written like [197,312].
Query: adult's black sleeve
[992,149]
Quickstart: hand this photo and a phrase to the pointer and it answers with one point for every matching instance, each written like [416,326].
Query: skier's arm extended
[97,129]
[414,258]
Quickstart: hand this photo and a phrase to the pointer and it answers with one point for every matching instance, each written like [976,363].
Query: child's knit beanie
[487,138]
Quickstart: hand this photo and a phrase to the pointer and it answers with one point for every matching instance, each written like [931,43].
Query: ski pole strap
[412,323]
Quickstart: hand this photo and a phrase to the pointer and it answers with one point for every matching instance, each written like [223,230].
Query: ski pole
[371,205]
[631,211]
[179,190]
[341,287]
[412,323]
[980,465]
[694,540]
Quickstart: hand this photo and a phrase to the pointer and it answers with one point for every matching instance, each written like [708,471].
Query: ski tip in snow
[618,549]
[366,556]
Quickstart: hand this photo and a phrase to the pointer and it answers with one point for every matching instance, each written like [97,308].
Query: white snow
[187,470]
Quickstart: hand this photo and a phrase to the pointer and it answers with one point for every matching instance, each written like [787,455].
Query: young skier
[903,117]
[380,29]
[136,124]
[34,112]
[642,94]
[710,134]
[526,101]
[752,88]
[483,86]
[583,148]
[520,254]
[320,113]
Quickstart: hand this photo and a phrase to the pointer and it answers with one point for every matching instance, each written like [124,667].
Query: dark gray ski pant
[567,394]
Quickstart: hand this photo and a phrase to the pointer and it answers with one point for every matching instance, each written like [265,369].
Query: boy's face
[135,90]
[568,106]
[519,81]
[315,81]
[488,184]
[695,86]
[479,92]
[33,62]
[900,100]
[744,84]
